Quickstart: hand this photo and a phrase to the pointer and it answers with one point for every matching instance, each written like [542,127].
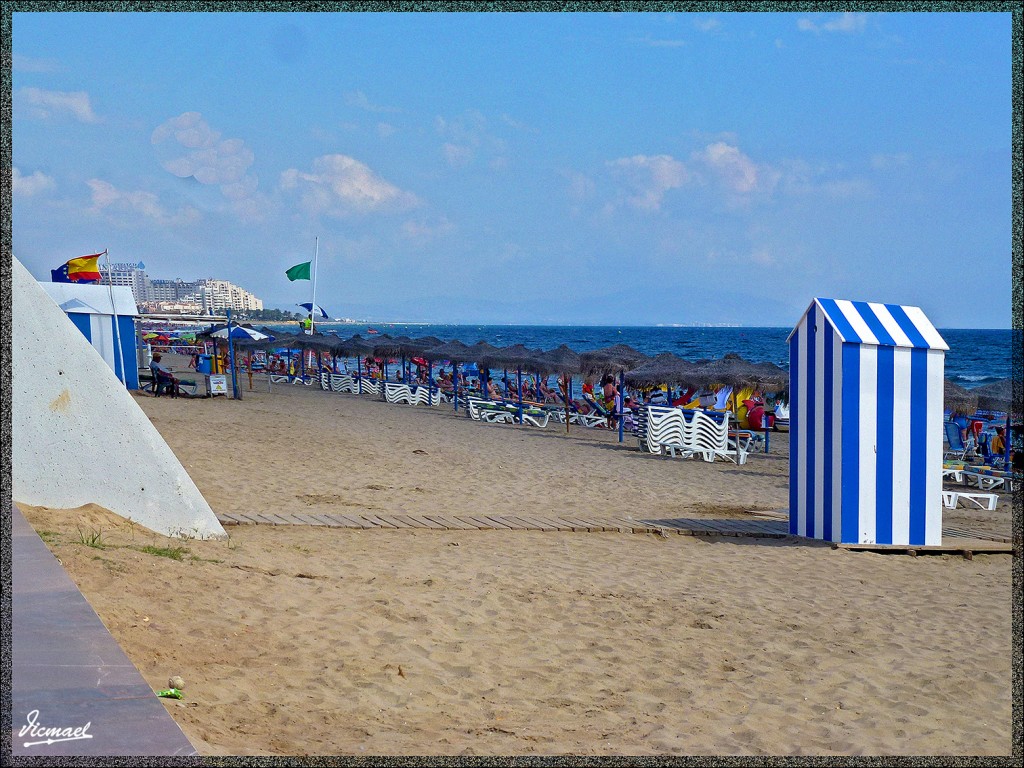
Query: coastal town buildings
[202,296]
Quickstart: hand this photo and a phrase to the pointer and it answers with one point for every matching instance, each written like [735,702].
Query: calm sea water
[975,356]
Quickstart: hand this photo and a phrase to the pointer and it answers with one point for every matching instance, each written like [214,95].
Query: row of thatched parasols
[639,369]
[632,366]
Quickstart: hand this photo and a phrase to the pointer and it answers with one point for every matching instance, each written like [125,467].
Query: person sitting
[493,392]
[163,380]
[546,392]
[628,414]
[997,445]
[611,395]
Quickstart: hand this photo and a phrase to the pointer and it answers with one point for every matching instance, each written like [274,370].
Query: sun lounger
[285,378]
[690,433]
[986,501]
[987,478]
[426,396]
[337,382]
[397,393]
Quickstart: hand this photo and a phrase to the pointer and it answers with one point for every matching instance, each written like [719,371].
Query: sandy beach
[307,640]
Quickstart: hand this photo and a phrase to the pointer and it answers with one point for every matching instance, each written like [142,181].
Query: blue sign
[140,265]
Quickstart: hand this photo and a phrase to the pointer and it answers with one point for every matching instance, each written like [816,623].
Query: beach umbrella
[614,359]
[517,357]
[478,353]
[957,399]
[617,358]
[308,306]
[456,352]
[357,347]
[730,370]
[565,362]
[666,368]
[998,396]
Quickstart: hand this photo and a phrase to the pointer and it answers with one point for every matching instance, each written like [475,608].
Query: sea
[975,357]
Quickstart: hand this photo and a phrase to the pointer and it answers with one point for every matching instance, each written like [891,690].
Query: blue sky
[528,168]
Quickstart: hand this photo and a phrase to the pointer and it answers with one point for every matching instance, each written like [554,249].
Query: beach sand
[308,640]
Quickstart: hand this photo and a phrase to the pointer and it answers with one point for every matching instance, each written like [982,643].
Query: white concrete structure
[79,437]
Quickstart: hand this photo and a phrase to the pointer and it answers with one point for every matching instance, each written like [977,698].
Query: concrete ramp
[79,437]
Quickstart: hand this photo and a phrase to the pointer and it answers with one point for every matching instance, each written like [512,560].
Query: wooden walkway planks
[955,539]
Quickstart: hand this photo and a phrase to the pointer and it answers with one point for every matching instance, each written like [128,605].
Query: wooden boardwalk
[957,540]
[690,526]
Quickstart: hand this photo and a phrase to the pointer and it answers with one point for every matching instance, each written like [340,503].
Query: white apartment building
[131,275]
[212,296]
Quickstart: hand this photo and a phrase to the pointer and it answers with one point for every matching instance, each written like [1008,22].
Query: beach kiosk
[866,400]
[94,309]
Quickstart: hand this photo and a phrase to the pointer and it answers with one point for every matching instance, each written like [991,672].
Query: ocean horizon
[976,356]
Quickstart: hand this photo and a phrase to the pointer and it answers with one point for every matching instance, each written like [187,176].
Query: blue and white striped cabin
[866,392]
[94,309]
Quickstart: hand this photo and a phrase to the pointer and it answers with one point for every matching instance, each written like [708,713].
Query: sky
[527,168]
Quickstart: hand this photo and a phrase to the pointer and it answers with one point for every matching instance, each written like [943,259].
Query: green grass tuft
[175,553]
[91,539]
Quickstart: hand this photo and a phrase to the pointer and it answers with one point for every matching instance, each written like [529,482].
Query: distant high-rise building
[131,275]
[212,295]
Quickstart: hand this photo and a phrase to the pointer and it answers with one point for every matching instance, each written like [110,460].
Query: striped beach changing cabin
[866,389]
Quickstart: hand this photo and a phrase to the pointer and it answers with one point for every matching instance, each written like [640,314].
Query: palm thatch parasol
[515,356]
[355,346]
[666,368]
[455,351]
[957,399]
[565,362]
[614,359]
[480,351]
[998,396]
[733,371]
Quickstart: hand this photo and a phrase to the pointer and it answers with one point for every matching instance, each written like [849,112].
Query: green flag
[299,272]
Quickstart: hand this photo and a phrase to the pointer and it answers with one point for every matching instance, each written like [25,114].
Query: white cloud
[339,184]
[708,24]
[209,160]
[734,169]
[882,162]
[844,22]
[798,177]
[422,232]
[469,137]
[46,104]
[106,198]
[359,100]
[21,63]
[649,178]
[456,155]
[26,186]
[384,130]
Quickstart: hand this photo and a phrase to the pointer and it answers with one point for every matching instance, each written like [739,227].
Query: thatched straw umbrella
[957,399]
[478,353]
[518,357]
[454,351]
[733,371]
[666,368]
[998,396]
[565,362]
[357,347]
[616,359]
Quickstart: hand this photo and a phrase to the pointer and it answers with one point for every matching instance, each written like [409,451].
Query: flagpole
[113,308]
[312,308]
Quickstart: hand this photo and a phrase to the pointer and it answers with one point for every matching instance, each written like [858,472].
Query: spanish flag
[84,269]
